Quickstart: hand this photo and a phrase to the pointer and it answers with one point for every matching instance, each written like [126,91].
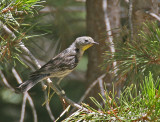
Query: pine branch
[22,46]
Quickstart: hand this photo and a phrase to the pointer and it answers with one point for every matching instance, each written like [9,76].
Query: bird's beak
[89,45]
[95,43]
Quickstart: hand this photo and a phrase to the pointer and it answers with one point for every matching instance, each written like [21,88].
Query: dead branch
[5,81]
[90,88]
[23,107]
[130,18]
[26,96]
[101,86]
[153,15]
[109,33]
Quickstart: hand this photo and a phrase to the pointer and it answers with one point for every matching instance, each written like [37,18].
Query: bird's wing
[63,61]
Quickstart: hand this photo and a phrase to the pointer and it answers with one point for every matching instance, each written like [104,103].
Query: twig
[47,104]
[90,88]
[24,97]
[109,33]
[101,87]
[7,30]
[32,58]
[64,96]
[33,107]
[153,15]
[23,107]
[5,81]
[25,49]
[16,75]
[130,18]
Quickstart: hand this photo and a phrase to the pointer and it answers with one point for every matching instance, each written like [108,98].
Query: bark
[140,15]
[113,10]
[96,28]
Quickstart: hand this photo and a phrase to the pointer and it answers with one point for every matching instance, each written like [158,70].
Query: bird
[60,65]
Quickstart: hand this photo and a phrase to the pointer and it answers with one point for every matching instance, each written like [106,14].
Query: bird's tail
[25,86]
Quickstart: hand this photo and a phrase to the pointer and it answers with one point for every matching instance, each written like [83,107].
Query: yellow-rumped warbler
[61,65]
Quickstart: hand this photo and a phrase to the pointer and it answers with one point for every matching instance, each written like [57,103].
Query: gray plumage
[61,65]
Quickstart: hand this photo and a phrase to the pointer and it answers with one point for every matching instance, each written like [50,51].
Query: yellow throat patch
[86,47]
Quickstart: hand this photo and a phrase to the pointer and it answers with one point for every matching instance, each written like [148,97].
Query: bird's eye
[77,50]
[86,40]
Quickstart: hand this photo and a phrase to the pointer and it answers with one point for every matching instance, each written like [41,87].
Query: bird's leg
[59,81]
[49,96]
[57,85]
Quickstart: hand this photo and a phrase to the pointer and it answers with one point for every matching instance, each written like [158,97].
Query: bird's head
[84,42]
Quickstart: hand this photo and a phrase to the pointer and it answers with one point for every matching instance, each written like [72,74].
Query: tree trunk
[140,15]
[113,11]
[97,28]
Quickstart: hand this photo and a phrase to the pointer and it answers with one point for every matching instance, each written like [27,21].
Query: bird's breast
[61,73]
